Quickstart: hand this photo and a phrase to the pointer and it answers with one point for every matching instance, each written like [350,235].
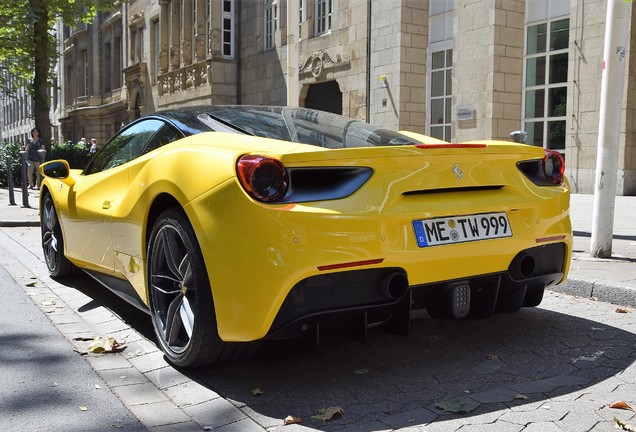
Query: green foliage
[18,44]
[75,155]
[12,150]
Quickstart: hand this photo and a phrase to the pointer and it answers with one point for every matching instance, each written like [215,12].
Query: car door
[101,187]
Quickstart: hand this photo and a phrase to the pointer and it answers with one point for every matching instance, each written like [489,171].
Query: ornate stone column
[201,33]
[163,29]
[186,34]
[175,26]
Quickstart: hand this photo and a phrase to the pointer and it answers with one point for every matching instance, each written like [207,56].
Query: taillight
[264,178]
[553,166]
[548,171]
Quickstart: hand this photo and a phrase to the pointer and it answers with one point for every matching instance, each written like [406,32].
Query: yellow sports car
[232,224]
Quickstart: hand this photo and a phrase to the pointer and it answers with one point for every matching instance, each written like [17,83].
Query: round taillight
[263,178]
[553,166]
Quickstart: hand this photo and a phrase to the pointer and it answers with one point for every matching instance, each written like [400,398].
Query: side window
[125,146]
[166,135]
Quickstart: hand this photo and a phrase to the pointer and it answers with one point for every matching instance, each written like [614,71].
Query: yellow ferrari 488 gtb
[232,224]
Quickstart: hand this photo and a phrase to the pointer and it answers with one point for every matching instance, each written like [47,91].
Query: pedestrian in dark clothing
[31,148]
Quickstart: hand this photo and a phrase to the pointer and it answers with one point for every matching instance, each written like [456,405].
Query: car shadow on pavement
[443,370]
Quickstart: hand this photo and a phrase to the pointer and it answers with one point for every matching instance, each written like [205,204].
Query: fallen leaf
[327,414]
[137,353]
[461,405]
[100,345]
[257,392]
[292,420]
[31,284]
[83,408]
[493,357]
[49,302]
[621,310]
[621,405]
[624,426]
[521,397]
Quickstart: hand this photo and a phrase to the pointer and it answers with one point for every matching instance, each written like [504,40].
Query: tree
[28,47]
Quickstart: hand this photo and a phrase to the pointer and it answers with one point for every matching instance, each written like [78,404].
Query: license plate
[461,229]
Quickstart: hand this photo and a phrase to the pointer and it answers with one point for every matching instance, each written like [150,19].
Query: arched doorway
[324,96]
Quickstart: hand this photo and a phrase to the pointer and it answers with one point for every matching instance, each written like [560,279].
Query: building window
[545,83]
[440,66]
[136,45]
[441,91]
[301,16]
[271,22]
[107,68]
[117,62]
[228,29]
[83,73]
[154,49]
[324,12]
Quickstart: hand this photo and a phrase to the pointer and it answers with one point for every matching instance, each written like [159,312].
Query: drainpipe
[612,84]
[292,53]
[237,53]
[369,61]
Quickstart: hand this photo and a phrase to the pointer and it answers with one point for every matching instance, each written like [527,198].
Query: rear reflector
[550,239]
[350,264]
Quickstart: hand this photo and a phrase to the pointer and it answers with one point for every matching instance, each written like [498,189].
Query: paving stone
[568,380]
[190,426]
[488,366]
[500,394]
[147,362]
[538,386]
[542,427]
[139,394]
[245,425]
[166,377]
[542,414]
[123,376]
[190,393]
[214,413]
[491,427]
[159,414]
[108,361]
[410,418]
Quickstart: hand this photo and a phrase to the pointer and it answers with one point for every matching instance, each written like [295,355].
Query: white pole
[612,84]
[292,52]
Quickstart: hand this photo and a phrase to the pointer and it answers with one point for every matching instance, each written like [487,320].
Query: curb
[615,294]
[18,224]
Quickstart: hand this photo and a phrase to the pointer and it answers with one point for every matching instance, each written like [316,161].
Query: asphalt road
[44,384]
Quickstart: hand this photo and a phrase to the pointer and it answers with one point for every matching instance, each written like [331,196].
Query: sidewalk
[610,280]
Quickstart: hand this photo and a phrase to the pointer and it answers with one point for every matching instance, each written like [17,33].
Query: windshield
[307,126]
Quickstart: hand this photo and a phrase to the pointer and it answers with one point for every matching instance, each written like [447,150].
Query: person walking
[31,148]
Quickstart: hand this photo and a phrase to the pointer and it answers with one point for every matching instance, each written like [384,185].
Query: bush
[75,155]
[13,150]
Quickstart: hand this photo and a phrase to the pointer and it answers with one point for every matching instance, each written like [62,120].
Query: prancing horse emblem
[458,172]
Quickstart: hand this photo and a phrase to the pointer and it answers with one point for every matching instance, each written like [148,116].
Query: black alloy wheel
[53,242]
[180,297]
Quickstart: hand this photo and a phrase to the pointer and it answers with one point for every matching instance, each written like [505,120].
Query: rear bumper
[374,296]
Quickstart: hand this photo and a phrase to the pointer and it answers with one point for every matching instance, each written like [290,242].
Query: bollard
[9,160]
[25,184]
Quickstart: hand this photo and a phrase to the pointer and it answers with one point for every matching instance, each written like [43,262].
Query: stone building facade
[458,71]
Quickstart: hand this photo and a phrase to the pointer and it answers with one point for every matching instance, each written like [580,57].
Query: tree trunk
[42,63]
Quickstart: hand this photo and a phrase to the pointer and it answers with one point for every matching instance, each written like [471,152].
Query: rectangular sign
[461,229]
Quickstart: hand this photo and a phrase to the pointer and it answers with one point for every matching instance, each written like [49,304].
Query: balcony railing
[185,78]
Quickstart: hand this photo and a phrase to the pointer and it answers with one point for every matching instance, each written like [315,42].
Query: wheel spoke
[172,251]
[187,316]
[173,324]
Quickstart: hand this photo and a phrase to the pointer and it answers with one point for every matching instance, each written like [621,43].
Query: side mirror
[57,169]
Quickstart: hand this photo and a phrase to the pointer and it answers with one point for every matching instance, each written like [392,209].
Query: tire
[53,242]
[181,303]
